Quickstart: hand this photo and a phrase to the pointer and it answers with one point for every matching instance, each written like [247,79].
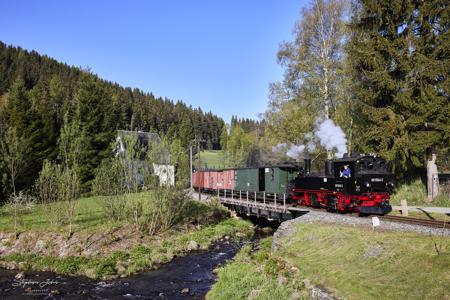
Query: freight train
[360,183]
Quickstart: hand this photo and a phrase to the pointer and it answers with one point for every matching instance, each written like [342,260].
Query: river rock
[184,291]
[193,245]
[40,246]
[20,275]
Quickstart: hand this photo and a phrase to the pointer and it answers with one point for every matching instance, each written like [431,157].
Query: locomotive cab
[368,173]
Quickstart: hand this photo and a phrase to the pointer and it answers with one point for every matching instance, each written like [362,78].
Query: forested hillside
[37,94]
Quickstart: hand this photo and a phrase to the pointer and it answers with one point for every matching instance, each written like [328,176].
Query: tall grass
[415,193]
[254,275]
[90,214]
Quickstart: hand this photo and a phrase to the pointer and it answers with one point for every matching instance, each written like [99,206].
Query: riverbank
[186,277]
[330,260]
[102,248]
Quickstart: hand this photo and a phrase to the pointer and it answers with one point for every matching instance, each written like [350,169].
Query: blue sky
[219,55]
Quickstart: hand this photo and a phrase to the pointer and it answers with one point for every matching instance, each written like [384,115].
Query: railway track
[416,221]
[277,202]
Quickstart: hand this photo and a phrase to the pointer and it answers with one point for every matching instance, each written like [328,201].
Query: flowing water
[188,277]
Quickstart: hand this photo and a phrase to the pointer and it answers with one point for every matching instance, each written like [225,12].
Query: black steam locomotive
[359,183]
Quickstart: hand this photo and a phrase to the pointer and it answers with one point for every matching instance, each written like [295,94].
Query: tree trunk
[432,178]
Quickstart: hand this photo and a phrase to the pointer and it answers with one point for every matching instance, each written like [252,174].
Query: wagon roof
[249,168]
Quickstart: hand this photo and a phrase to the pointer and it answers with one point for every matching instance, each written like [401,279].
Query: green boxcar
[277,178]
[249,180]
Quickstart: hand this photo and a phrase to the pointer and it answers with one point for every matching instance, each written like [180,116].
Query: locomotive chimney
[328,168]
[307,166]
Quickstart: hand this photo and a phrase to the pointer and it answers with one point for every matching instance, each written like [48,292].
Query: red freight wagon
[214,179]
[210,179]
[220,180]
[197,179]
[228,180]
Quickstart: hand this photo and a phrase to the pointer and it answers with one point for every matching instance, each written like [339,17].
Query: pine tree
[93,114]
[400,54]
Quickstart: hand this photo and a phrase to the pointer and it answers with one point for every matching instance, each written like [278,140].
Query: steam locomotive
[359,183]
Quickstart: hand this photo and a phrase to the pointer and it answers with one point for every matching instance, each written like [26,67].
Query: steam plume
[331,136]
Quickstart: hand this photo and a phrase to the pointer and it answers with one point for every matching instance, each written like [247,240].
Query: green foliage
[13,157]
[315,79]
[239,146]
[109,183]
[47,190]
[399,55]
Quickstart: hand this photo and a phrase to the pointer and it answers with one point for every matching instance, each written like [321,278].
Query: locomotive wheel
[314,201]
[331,205]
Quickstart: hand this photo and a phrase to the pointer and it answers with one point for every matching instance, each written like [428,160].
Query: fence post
[218,193]
[225,194]
[255,196]
[284,202]
[404,205]
[264,198]
[231,194]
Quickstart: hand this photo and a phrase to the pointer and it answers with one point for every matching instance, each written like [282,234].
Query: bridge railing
[263,200]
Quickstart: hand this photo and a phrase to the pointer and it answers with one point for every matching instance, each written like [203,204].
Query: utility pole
[190,160]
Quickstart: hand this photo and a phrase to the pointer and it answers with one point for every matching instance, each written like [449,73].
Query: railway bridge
[271,206]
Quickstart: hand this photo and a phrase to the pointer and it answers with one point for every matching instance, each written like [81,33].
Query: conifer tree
[400,53]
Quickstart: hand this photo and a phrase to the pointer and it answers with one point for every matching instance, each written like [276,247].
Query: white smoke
[326,133]
[279,147]
[311,146]
[295,151]
[331,136]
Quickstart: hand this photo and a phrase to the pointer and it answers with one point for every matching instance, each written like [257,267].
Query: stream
[187,277]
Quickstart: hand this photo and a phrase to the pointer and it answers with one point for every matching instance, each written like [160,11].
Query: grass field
[211,159]
[361,264]
[354,263]
[88,216]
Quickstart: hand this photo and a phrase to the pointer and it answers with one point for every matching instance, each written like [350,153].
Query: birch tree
[14,152]
[313,64]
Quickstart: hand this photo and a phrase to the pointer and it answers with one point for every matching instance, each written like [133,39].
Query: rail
[416,221]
